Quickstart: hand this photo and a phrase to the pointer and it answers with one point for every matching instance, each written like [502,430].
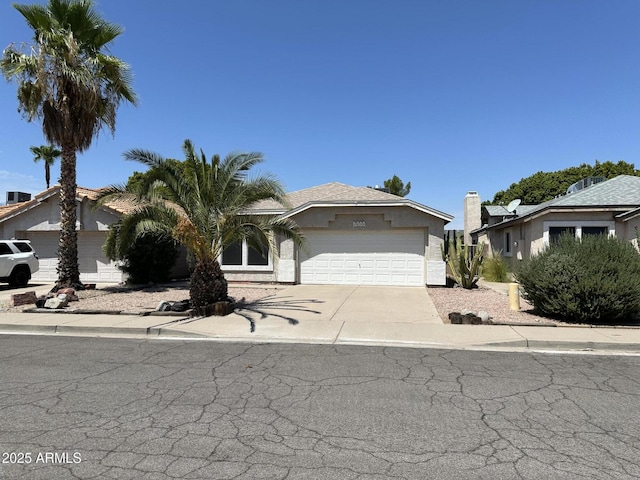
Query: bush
[150,259]
[496,268]
[593,280]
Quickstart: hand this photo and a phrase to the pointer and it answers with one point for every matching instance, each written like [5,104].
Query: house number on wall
[359,224]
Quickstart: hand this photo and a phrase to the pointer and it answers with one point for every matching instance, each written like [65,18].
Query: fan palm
[48,154]
[204,205]
[69,81]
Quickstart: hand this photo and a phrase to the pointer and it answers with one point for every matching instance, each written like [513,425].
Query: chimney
[472,215]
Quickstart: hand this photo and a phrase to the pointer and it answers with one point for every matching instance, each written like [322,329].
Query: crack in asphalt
[168,410]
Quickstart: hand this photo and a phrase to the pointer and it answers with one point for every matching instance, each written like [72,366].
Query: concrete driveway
[325,314]
[340,303]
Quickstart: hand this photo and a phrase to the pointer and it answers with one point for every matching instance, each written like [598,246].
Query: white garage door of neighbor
[364,258]
[94,266]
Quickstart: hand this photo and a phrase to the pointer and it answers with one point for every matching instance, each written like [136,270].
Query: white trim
[577,225]
[370,203]
[245,267]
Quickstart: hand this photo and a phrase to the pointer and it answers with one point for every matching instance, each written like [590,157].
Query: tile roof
[118,206]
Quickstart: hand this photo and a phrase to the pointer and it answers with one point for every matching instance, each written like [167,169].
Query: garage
[94,266]
[384,257]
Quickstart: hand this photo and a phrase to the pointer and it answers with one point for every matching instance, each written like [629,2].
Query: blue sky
[452,95]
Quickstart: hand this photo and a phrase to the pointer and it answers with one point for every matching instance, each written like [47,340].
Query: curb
[152,313]
[161,332]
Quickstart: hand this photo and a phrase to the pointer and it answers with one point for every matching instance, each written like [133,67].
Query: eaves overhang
[368,203]
[561,209]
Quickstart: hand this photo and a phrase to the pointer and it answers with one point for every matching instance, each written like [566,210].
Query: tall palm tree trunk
[68,269]
[47,174]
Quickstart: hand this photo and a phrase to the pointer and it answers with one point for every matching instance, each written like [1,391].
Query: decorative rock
[55,303]
[457,318]
[471,320]
[181,306]
[26,298]
[163,306]
[484,316]
[70,293]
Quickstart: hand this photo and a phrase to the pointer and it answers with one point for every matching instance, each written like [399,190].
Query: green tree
[397,186]
[543,186]
[202,205]
[48,154]
[68,80]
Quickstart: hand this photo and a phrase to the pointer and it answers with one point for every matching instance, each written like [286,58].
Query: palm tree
[48,154]
[203,205]
[69,81]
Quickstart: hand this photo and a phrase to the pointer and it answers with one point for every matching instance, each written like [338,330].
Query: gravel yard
[143,300]
[458,299]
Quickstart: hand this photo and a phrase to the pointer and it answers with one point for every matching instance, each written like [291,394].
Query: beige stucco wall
[530,235]
[45,216]
[343,218]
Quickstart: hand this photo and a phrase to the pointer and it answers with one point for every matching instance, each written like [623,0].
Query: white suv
[17,262]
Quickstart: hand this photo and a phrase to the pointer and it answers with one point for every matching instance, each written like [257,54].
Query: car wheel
[20,277]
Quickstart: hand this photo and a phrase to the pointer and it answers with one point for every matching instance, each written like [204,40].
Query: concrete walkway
[393,316]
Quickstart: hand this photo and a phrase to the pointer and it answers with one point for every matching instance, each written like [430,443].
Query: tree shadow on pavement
[273,306]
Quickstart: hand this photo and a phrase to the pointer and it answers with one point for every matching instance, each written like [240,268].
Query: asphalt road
[133,409]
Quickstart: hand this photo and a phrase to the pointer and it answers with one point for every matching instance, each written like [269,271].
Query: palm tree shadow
[273,306]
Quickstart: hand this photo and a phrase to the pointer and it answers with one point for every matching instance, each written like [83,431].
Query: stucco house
[610,207]
[38,220]
[355,235]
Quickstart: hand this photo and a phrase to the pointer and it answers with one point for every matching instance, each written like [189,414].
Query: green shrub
[593,280]
[150,258]
[496,268]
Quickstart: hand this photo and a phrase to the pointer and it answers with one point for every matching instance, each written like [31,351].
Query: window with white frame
[553,229]
[242,256]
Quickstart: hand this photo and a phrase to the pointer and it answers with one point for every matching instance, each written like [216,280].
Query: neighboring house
[611,207]
[38,220]
[355,235]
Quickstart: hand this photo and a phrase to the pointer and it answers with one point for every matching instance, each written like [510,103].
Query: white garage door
[94,266]
[364,258]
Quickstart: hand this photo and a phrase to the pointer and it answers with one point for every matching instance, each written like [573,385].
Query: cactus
[463,260]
